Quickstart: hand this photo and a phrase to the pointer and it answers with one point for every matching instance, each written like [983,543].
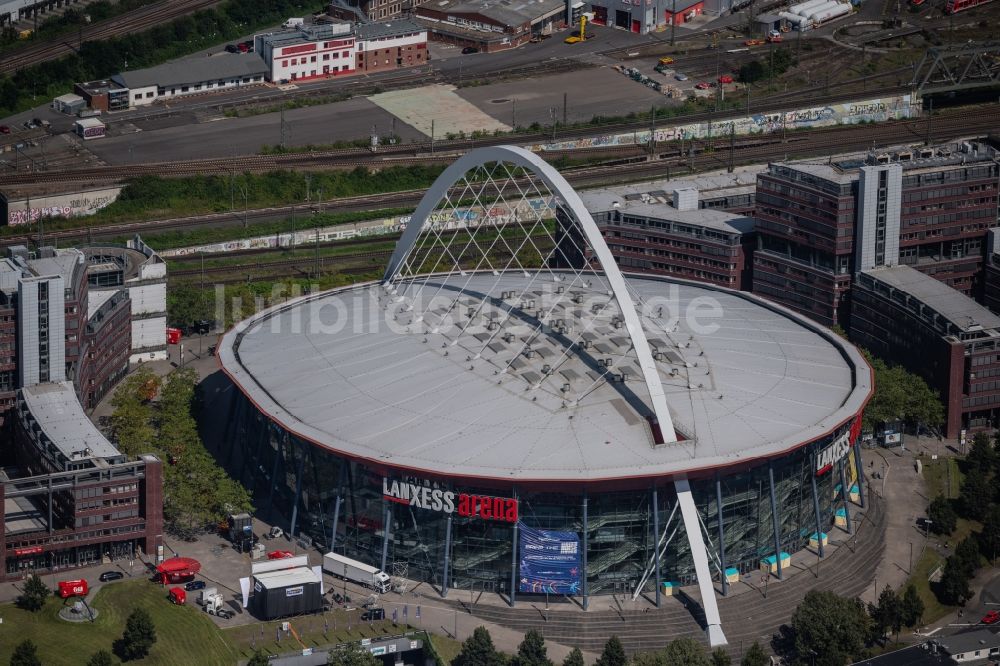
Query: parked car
[242,46]
[680,77]
[111,575]
[28,124]
[195,585]
[469,49]
[667,60]
[991,618]
[339,598]
[373,615]
[4,129]
[232,48]
[725,78]
[702,86]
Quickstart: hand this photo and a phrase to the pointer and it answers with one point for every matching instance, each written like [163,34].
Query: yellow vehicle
[24,34]
[666,61]
[573,39]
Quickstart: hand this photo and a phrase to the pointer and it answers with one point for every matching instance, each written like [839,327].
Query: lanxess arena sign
[448,501]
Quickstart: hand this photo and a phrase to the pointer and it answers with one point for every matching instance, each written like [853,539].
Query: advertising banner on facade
[550,561]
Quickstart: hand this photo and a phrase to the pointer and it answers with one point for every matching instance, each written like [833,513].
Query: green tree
[942,516]
[721,658]
[888,615]
[953,588]
[967,553]
[34,594]
[25,654]
[178,429]
[752,71]
[531,651]
[101,658]
[982,455]
[478,650]
[911,606]
[755,656]
[900,394]
[574,658]
[989,538]
[685,651]
[830,627]
[613,654]
[976,494]
[131,421]
[139,636]
[351,655]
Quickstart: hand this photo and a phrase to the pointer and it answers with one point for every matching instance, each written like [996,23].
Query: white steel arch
[572,205]
[554,180]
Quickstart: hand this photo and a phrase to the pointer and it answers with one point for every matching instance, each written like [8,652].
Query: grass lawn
[184,635]
[446,648]
[936,477]
[933,609]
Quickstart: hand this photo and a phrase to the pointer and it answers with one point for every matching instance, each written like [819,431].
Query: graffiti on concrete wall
[847,113]
[64,205]
[442,220]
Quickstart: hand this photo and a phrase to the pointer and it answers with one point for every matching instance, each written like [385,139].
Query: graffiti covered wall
[848,113]
[460,218]
[76,204]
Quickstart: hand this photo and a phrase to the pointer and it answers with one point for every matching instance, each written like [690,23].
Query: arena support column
[860,466]
[656,544]
[775,521]
[336,506]
[586,543]
[513,562]
[447,558]
[386,528]
[278,454]
[692,525]
[722,535]
[845,495]
[819,520]
[298,488]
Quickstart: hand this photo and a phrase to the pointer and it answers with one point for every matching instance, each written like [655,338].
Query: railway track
[134,21]
[708,155]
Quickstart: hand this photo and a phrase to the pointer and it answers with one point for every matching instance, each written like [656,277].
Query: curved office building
[564,429]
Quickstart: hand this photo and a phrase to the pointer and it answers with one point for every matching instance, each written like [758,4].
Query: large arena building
[494,416]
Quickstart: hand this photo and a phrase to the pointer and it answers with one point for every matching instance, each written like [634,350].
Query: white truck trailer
[356,572]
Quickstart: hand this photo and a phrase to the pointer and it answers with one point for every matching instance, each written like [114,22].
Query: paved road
[223,137]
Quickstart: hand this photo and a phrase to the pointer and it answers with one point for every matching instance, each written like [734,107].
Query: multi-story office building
[668,234]
[819,223]
[909,318]
[69,497]
[991,279]
[55,337]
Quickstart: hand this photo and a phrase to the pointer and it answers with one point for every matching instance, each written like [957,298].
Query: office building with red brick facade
[819,223]
[907,317]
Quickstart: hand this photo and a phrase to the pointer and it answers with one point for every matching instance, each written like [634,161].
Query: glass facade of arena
[619,537]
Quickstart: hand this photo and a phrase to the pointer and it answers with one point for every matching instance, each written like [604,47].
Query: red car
[702,86]
[991,617]
[4,129]
[725,78]
[280,554]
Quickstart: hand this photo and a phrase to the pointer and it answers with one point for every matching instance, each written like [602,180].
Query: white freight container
[357,572]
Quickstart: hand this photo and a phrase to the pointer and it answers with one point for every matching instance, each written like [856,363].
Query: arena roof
[331,369]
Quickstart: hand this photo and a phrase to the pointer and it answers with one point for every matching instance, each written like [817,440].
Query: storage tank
[794,19]
[820,9]
[805,6]
[835,12]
